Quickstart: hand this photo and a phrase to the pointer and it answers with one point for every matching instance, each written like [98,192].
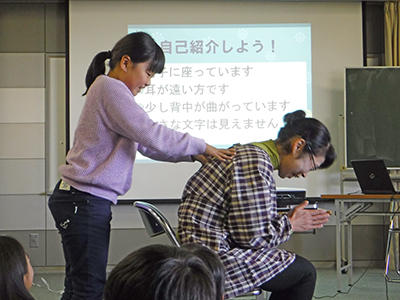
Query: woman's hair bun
[292,117]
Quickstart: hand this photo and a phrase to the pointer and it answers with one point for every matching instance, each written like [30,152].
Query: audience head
[16,273]
[213,262]
[132,277]
[184,278]
[305,144]
[160,272]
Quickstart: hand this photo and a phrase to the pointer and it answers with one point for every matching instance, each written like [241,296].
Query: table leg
[350,252]
[338,243]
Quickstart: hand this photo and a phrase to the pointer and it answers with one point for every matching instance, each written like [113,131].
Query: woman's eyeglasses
[311,153]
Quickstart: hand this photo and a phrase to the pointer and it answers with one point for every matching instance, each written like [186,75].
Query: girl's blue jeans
[83,221]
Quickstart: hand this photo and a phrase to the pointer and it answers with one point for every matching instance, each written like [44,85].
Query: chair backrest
[155,222]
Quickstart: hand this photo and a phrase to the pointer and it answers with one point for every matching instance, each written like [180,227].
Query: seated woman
[160,272]
[16,273]
[230,207]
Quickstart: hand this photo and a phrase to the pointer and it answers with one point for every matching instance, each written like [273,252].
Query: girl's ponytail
[96,68]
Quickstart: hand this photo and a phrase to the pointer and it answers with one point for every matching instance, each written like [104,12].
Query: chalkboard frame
[372,114]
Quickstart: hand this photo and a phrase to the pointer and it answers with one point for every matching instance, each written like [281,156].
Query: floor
[369,285]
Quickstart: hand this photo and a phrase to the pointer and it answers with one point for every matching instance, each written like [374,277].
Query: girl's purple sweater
[111,128]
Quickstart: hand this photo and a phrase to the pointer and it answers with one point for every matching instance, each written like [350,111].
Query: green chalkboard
[373,114]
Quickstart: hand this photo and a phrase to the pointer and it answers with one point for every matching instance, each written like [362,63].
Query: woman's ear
[298,145]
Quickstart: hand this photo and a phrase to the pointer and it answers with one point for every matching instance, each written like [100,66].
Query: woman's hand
[221,154]
[303,219]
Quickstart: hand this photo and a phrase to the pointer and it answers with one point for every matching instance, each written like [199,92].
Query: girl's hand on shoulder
[220,154]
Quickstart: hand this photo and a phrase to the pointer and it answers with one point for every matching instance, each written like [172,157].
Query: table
[347,207]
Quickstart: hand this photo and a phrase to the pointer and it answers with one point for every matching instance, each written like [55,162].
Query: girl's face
[298,163]
[137,75]
[28,277]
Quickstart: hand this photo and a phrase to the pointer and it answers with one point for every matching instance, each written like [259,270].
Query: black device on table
[289,199]
[372,176]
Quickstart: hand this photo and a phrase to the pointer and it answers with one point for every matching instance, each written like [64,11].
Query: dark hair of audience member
[160,272]
[184,278]
[13,270]
[213,262]
[130,278]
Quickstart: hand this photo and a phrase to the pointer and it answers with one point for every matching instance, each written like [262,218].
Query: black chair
[155,224]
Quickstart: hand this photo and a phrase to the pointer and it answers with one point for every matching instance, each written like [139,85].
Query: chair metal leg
[387,257]
[258,293]
[396,252]
[391,234]
[261,296]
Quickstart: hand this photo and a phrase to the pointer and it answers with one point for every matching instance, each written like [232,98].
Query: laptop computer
[373,176]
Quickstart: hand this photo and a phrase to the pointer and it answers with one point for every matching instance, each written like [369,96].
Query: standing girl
[111,128]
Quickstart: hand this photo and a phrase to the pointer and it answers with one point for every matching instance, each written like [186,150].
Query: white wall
[23,119]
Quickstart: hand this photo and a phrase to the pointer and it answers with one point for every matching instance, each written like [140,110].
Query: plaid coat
[230,207]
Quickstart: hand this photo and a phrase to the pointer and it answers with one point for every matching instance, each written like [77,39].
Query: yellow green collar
[269,147]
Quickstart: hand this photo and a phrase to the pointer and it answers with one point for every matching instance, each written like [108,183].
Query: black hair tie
[109,55]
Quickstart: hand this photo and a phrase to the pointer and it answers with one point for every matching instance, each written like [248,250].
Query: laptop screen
[373,176]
